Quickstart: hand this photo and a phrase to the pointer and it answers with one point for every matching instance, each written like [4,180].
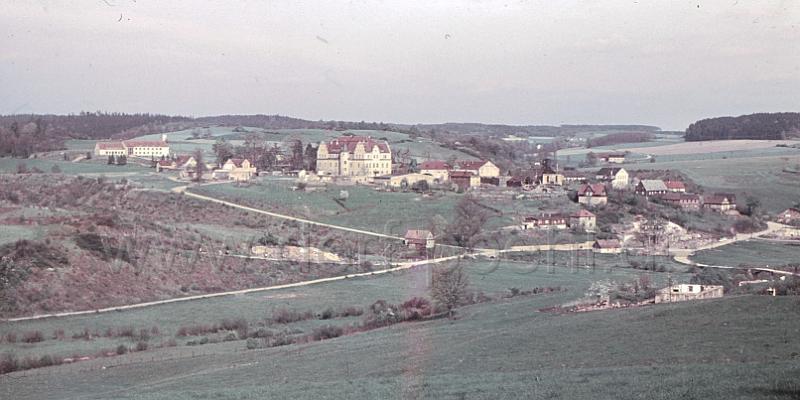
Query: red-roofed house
[607,246]
[464,179]
[675,186]
[238,169]
[546,221]
[720,202]
[439,170]
[583,219]
[593,194]
[687,201]
[481,168]
[355,156]
[419,239]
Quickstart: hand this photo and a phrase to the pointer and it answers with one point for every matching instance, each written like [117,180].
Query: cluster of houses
[234,169]
[158,151]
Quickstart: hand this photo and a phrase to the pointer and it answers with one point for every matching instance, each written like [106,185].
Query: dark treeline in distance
[773,126]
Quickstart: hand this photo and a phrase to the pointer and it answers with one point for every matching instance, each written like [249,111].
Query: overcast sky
[664,63]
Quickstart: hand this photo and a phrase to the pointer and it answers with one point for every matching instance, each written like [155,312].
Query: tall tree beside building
[311,157]
[223,150]
[200,168]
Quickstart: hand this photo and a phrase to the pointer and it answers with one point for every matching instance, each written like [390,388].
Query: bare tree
[449,287]
[470,218]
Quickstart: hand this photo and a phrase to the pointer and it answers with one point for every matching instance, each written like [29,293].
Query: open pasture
[750,253]
[710,146]
[763,178]
[492,277]
[494,350]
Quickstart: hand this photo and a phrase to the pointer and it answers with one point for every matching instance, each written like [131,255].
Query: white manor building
[355,156]
[133,148]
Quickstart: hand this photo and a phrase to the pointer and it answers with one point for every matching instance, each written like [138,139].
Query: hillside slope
[741,347]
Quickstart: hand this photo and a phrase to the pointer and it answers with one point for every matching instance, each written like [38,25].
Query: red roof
[675,185]
[165,163]
[470,164]
[582,214]
[595,188]
[607,244]
[349,143]
[460,174]
[145,143]
[418,234]
[435,165]
[110,146]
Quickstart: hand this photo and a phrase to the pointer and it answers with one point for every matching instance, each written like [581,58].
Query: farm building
[686,292]
[439,170]
[720,202]
[236,169]
[592,194]
[546,221]
[607,246]
[790,216]
[583,219]
[687,201]
[675,186]
[613,158]
[572,175]
[177,163]
[135,148]
[617,176]
[419,239]
[482,168]
[651,187]
[464,179]
[354,156]
[406,180]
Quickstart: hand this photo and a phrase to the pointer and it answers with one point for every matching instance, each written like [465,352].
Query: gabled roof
[461,174]
[551,217]
[145,143]
[237,161]
[182,160]
[116,145]
[582,214]
[653,185]
[607,244]
[166,163]
[676,185]
[418,234]
[470,164]
[718,199]
[609,171]
[434,165]
[597,189]
[349,143]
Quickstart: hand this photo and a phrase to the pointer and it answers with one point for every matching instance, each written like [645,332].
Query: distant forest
[753,126]
[24,134]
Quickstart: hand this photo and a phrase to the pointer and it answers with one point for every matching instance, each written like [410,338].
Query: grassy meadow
[494,350]
[492,277]
[750,253]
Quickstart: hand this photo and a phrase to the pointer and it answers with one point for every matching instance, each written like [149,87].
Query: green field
[382,212]
[761,177]
[490,277]
[12,233]
[750,253]
[731,348]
